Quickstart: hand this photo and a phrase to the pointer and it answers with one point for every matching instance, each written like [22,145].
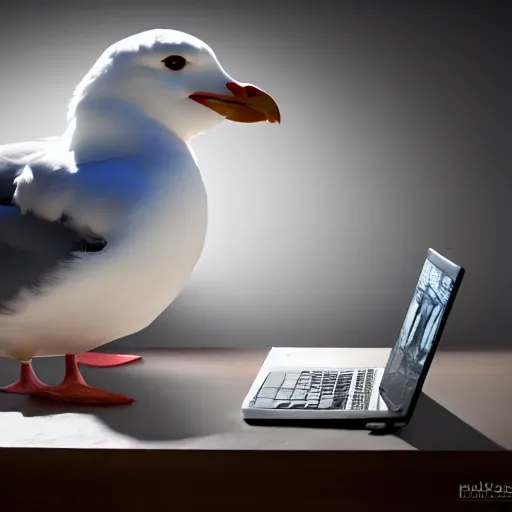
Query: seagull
[101,228]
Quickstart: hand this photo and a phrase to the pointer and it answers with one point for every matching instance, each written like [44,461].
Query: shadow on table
[433,427]
[184,405]
[166,408]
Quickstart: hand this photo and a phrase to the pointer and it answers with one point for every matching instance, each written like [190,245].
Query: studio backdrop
[393,140]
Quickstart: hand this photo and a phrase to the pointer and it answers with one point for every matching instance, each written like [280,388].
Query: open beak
[246,104]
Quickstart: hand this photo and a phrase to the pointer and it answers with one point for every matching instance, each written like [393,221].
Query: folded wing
[50,210]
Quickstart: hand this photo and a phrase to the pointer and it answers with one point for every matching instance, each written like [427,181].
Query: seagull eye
[175,62]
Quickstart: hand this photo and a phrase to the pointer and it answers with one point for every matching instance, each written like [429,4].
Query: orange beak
[247,104]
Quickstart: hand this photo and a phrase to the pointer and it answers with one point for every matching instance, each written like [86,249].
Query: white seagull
[100,229]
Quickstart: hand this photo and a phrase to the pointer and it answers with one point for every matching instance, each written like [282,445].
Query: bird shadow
[167,407]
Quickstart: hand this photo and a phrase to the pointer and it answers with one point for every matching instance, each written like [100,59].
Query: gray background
[394,139]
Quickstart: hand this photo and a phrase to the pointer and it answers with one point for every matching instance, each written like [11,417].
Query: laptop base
[382,427]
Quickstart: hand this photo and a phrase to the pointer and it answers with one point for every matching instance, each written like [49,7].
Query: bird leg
[28,382]
[99,359]
[74,389]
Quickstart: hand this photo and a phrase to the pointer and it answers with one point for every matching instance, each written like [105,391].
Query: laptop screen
[417,338]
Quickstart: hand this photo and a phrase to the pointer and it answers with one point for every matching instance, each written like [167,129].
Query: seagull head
[175,79]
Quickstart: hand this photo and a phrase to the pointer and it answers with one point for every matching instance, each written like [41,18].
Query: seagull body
[100,229]
[151,207]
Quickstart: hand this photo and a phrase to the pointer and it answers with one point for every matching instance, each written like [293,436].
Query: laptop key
[274,379]
[284,394]
[299,394]
[325,403]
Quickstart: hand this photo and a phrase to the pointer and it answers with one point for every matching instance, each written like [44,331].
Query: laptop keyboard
[312,389]
[363,390]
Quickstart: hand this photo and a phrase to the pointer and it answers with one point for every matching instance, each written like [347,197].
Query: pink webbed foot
[98,359]
[74,389]
[27,384]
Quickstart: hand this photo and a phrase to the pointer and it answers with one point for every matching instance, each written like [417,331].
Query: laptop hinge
[389,404]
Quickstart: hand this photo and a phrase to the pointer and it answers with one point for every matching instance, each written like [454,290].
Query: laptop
[308,386]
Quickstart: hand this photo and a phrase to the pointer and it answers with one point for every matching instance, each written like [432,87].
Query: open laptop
[307,386]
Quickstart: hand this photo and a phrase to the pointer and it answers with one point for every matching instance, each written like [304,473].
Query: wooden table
[186,420]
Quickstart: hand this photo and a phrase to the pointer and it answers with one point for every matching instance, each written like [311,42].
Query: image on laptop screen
[425,313]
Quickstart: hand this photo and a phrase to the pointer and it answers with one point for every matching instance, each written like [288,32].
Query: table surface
[191,399]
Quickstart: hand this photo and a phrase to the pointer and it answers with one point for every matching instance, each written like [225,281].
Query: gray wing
[30,247]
